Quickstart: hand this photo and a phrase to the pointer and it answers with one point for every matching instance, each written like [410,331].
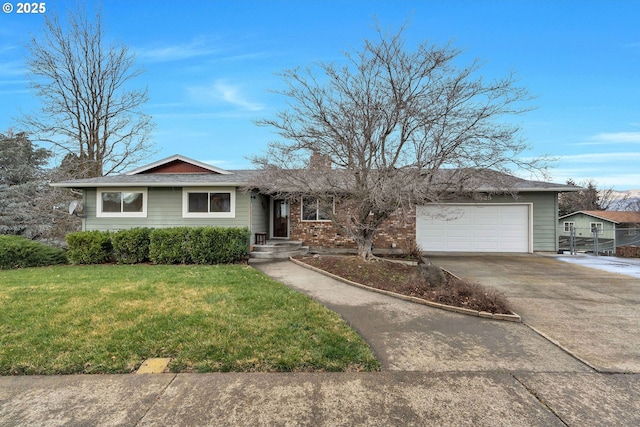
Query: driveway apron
[593,314]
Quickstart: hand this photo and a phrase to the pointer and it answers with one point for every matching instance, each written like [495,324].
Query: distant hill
[625,200]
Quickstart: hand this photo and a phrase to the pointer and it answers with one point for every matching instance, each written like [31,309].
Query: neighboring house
[178,191]
[616,228]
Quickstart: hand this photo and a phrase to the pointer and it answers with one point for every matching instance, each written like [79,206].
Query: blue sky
[210,66]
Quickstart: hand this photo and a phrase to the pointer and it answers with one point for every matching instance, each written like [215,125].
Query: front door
[280,218]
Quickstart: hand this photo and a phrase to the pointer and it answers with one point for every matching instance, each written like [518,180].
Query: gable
[178,166]
[581,216]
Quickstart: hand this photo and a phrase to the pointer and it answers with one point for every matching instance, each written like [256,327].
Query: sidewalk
[439,368]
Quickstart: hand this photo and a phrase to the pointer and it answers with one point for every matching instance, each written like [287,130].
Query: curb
[483,314]
[566,350]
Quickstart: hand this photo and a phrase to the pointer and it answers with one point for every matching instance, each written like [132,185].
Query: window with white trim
[208,203]
[115,202]
[597,225]
[313,209]
[568,225]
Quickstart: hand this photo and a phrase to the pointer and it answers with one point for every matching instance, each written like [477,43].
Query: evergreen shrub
[131,246]
[89,247]
[168,246]
[19,252]
[198,245]
[218,245]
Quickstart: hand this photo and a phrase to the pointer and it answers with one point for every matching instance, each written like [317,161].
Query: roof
[618,217]
[235,178]
[162,174]
[158,174]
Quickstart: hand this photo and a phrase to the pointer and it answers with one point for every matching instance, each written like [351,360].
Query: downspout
[84,203]
[251,195]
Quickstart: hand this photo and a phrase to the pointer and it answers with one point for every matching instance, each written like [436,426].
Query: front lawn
[110,318]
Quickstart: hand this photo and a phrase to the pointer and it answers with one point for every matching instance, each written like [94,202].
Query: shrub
[18,252]
[199,245]
[476,296]
[430,274]
[131,246]
[411,249]
[89,247]
[177,245]
[217,245]
[168,246]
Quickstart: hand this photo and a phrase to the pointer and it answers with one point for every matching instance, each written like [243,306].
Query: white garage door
[473,228]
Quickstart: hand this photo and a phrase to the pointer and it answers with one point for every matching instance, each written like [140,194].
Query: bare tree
[88,107]
[589,199]
[400,127]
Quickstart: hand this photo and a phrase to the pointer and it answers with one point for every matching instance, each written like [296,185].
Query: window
[314,209]
[118,203]
[568,225]
[208,203]
[593,225]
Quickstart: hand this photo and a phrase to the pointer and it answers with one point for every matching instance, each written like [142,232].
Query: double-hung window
[568,225]
[314,209]
[115,202]
[594,225]
[208,203]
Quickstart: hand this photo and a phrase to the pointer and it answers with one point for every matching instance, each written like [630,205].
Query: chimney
[319,161]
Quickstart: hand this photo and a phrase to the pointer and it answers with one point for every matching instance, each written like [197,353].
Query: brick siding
[395,233]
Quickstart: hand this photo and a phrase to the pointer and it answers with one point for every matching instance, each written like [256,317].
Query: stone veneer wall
[396,233]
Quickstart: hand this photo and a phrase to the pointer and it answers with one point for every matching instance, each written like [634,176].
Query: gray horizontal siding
[164,209]
[259,215]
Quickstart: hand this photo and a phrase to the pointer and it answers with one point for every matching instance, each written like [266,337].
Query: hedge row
[18,252]
[178,245]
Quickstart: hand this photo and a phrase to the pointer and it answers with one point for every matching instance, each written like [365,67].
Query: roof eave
[591,215]
[146,184]
[529,189]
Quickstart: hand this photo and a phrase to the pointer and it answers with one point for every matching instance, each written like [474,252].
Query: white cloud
[222,91]
[11,69]
[615,169]
[232,94]
[600,157]
[613,138]
[199,47]
[618,170]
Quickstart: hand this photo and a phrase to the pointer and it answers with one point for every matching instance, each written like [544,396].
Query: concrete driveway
[593,314]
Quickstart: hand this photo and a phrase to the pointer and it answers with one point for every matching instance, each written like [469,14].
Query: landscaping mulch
[427,283]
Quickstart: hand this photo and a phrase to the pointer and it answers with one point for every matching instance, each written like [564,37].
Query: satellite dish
[75,208]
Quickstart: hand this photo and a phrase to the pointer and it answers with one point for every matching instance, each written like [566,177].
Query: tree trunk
[365,245]
[365,250]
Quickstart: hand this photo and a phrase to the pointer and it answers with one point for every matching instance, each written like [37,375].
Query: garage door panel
[473,228]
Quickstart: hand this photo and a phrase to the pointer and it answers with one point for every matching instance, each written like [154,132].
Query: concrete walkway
[439,368]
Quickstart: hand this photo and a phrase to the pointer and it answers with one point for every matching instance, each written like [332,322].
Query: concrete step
[279,254]
[284,246]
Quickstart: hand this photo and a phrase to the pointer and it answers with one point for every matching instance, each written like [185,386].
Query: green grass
[110,318]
